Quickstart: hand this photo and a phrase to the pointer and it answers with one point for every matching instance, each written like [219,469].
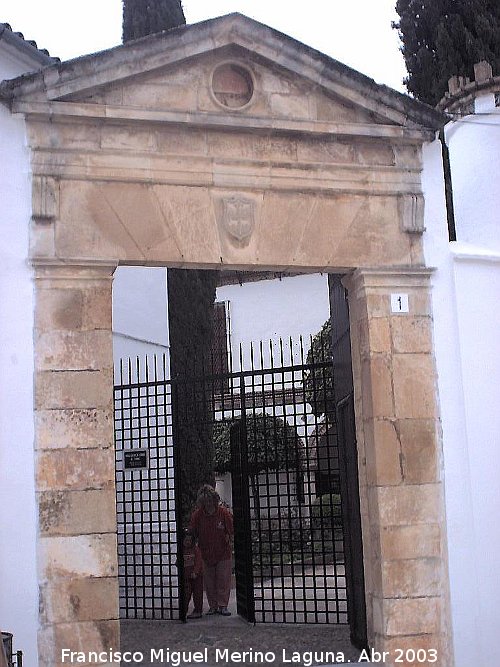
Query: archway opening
[269,369]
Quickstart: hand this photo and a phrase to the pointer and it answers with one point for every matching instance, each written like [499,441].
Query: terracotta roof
[29,46]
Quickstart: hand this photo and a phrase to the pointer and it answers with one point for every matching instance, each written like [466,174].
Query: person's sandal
[224,611]
[211,612]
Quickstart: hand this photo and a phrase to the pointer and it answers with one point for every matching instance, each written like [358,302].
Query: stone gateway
[227,144]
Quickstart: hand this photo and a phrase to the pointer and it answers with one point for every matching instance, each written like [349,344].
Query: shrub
[326,511]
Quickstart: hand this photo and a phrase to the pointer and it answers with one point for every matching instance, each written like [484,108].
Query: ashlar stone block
[414,386]
[419,446]
[73,389]
[80,599]
[383,453]
[73,308]
[77,512]
[411,334]
[408,505]
[58,309]
[376,378]
[78,428]
[412,616]
[78,556]
[75,469]
[407,542]
[419,577]
[73,350]
[97,636]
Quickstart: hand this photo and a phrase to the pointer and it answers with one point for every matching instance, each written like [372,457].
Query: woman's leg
[224,569]
[209,578]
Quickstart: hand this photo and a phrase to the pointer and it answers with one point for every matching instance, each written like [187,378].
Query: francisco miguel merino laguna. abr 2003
[178,658]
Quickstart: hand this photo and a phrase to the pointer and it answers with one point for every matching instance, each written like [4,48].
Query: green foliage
[272,445]
[443,38]
[318,382]
[145,17]
[325,510]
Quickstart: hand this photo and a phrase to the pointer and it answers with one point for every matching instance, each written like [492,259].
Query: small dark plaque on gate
[135,459]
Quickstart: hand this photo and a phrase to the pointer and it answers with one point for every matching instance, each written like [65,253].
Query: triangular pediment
[182,70]
[215,82]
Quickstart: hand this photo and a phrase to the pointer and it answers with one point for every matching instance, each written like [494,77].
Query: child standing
[193,575]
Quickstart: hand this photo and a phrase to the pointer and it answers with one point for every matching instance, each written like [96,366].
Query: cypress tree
[145,17]
[191,296]
[443,38]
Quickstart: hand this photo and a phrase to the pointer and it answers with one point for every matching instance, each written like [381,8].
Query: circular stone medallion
[232,85]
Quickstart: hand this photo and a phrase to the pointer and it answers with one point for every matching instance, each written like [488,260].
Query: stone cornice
[389,277]
[90,269]
[54,111]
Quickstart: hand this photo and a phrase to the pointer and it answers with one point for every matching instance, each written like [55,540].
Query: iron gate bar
[237,374]
[242,536]
[178,506]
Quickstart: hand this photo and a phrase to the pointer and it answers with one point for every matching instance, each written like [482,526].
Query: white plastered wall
[140,314]
[466,289]
[18,519]
[269,309]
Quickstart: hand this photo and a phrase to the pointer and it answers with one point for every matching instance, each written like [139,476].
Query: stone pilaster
[399,447]
[77,556]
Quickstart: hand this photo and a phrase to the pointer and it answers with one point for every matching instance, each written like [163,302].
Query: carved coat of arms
[238,216]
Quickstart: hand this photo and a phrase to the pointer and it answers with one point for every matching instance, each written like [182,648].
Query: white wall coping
[469,253]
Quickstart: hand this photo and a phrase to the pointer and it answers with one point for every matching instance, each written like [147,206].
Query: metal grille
[294,521]
[145,496]
[275,436]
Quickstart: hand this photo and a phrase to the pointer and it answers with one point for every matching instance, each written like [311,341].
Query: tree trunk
[191,295]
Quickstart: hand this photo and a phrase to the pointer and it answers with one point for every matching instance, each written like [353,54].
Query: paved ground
[286,644]
[217,637]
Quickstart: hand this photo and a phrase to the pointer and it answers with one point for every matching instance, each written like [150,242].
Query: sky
[355,32]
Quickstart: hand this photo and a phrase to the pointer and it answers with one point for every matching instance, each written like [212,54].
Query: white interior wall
[18,517]
[269,309]
[140,313]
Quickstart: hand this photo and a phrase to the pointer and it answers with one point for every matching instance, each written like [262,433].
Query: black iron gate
[347,447]
[145,494]
[274,431]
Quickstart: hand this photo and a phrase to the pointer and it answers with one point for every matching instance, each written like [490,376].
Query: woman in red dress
[213,526]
